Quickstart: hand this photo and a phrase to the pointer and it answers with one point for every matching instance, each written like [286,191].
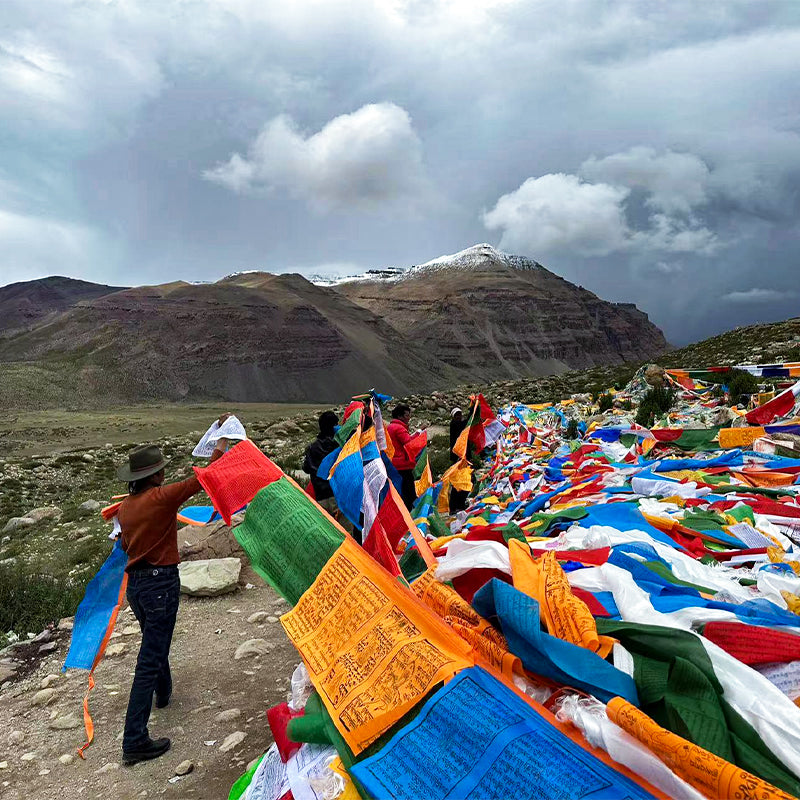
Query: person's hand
[425,425]
[223,418]
[222,444]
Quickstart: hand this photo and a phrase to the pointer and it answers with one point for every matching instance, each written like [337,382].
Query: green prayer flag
[437,525]
[286,538]
[679,689]
[346,430]
[422,460]
[742,513]
[665,572]
[697,440]
[512,531]
[412,564]
[240,787]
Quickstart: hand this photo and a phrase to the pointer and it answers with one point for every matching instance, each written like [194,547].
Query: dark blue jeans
[154,594]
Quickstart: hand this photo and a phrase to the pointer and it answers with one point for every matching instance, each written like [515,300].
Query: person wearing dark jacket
[316,452]
[149,531]
[458,499]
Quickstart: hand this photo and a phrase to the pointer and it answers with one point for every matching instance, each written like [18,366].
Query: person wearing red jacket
[402,461]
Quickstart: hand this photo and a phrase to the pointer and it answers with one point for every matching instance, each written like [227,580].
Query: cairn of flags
[615,615]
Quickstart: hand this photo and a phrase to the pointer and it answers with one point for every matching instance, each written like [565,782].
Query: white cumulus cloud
[675,182]
[588,214]
[557,212]
[369,159]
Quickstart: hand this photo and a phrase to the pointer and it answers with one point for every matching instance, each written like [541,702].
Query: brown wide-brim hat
[142,462]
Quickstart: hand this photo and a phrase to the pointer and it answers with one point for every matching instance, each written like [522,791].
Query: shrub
[439,454]
[572,429]
[30,599]
[740,385]
[605,401]
[656,402]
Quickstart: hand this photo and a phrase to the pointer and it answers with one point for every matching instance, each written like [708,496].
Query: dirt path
[207,681]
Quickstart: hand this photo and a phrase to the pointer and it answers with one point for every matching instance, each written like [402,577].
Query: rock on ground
[228,716]
[252,647]
[210,577]
[15,523]
[231,741]
[44,697]
[7,672]
[66,722]
[215,540]
[89,507]
[45,512]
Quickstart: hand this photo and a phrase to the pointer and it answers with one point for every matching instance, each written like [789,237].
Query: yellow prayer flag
[372,650]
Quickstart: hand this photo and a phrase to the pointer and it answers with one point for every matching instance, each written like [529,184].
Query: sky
[648,151]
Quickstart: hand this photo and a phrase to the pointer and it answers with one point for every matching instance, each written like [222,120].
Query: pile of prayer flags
[642,584]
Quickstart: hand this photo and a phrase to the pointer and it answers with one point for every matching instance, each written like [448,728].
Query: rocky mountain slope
[768,343]
[480,315]
[30,302]
[493,315]
[253,337]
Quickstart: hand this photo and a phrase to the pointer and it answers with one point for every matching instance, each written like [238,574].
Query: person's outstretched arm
[176,494]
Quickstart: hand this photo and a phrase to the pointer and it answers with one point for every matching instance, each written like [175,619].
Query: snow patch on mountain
[478,256]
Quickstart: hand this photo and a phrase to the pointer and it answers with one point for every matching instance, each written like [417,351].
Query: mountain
[491,315]
[766,343]
[25,304]
[479,315]
[250,337]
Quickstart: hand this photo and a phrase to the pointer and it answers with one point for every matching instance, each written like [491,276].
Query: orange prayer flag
[460,447]
[563,614]
[486,642]
[372,649]
[713,776]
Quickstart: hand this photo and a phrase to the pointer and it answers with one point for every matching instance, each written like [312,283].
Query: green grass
[30,598]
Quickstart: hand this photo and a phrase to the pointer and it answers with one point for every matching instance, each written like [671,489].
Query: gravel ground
[208,680]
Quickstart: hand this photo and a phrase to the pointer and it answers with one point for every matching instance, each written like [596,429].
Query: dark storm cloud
[650,152]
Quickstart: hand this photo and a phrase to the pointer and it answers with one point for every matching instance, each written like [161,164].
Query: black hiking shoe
[153,748]
[163,702]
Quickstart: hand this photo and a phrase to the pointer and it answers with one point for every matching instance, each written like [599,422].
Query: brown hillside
[25,304]
[491,315]
[246,338]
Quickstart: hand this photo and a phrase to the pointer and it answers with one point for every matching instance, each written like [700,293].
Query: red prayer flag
[776,408]
[753,644]
[234,480]
[278,718]
[391,520]
[377,545]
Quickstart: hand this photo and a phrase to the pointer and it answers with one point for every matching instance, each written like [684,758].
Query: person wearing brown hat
[147,519]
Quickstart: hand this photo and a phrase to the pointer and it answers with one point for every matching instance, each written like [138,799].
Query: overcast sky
[649,151]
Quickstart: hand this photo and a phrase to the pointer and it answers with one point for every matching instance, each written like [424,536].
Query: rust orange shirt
[149,525]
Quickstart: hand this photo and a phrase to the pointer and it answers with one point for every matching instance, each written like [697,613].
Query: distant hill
[25,304]
[477,316]
[250,338]
[769,343]
[491,315]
